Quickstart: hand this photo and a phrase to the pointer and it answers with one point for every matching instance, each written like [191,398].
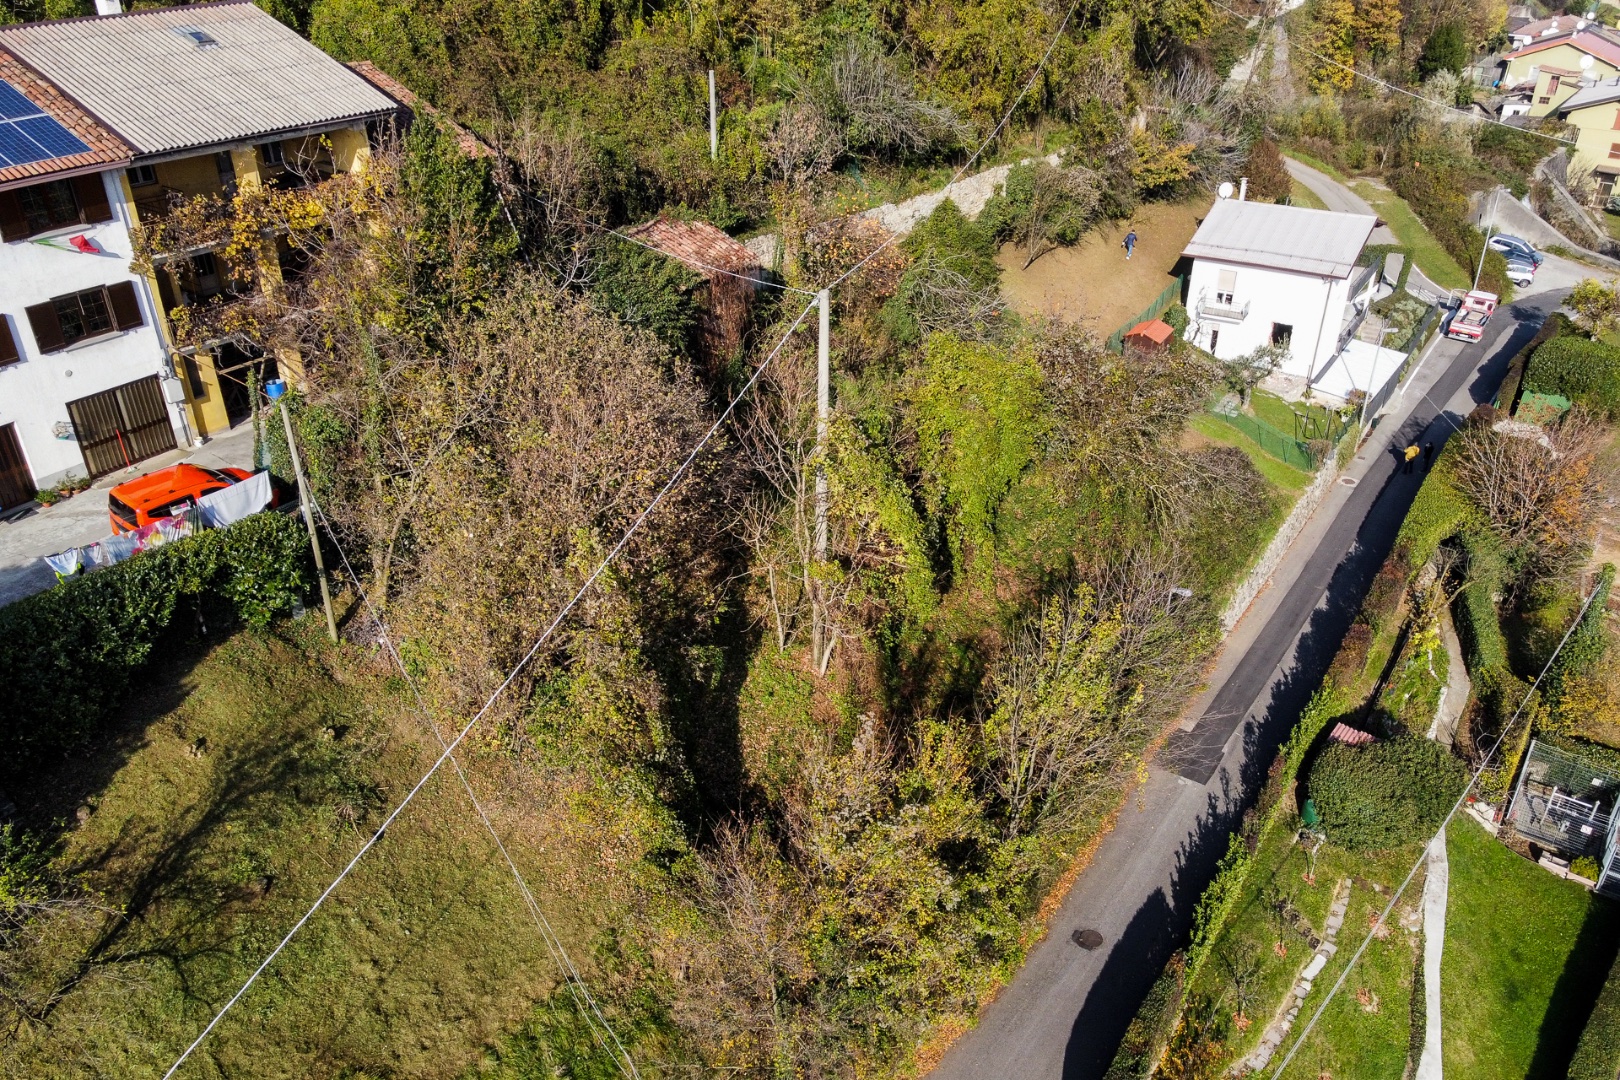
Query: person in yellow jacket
[1412,452]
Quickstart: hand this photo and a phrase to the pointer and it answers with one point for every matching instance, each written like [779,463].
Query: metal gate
[118,427]
[16,482]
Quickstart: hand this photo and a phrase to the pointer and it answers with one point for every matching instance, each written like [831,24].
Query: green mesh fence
[1283,447]
[1170,295]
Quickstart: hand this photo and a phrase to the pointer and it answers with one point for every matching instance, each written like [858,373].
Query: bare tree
[941,298]
[804,143]
[1062,204]
[881,107]
[1538,488]
[551,182]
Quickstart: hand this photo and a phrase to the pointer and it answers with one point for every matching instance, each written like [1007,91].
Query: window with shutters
[8,343]
[65,321]
[1614,150]
[58,204]
[83,314]
[1226,287]
[49,206]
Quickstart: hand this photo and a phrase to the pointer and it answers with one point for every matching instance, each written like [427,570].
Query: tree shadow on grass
[1577,989]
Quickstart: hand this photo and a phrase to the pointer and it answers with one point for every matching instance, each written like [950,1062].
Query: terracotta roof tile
[106,149]
[1344,733]
[470,144]
[699,245]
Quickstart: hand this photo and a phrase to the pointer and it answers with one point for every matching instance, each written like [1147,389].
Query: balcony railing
[1220,311]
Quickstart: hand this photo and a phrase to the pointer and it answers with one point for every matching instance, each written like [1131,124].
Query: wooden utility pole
[714,120]
[309,520]
[818,617]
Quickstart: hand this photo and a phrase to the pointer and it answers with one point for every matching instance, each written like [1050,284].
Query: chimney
[109,7]
[1243,188]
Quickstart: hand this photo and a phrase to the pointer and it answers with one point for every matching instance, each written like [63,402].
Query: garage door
[118,427]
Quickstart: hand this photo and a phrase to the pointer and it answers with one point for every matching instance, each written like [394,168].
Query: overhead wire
[635,526]
[551,628]
[578,989]
[1383,916]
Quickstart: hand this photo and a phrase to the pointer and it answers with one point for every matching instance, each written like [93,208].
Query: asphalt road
[1064,1013]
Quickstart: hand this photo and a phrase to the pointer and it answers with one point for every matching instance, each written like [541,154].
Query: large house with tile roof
[1550,69]
[108,120]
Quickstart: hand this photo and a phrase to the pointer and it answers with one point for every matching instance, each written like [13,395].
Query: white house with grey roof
[110,119]
[1263,273]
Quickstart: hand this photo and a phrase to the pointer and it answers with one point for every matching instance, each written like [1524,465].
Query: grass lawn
[1304,196]
[1526,955]
[1283,415]
[1282,476]
[1093,280]
[1437,265]
[249,774]
[1316,163]
[1611,221]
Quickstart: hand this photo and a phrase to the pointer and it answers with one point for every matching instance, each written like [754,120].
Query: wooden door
[16,482]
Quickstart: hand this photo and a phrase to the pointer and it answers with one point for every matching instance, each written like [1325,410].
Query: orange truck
[165,493]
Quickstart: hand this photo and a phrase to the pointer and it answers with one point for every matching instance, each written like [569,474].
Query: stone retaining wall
[1260,575]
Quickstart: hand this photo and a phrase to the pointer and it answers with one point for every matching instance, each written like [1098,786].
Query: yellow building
[1594,111]
[1554,69]
[209,99]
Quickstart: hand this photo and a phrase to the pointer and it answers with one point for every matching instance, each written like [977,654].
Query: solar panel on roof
[13,103]
[28,135]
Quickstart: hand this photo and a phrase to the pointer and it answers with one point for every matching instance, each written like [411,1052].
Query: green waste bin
[1309,815]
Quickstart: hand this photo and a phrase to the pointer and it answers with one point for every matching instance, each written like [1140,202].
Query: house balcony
[1218,311]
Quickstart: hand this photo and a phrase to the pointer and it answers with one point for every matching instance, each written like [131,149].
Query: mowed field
[1093,281]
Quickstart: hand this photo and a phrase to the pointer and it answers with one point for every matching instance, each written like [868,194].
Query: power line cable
[1358,73]
[1416,866]
[583,999]
[601,568]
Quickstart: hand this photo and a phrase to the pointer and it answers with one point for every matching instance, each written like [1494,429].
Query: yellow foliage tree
[1333,38]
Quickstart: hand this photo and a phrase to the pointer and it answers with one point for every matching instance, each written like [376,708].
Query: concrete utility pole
[309,520]
[714,120]
[823,404]
[818,633]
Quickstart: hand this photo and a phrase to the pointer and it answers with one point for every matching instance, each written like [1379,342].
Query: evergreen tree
[1446,50]
[1268,176]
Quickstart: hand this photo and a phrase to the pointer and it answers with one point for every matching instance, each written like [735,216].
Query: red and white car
[1474,309]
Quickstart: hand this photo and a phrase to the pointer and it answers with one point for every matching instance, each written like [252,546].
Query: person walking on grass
[1411,456]
[1130,243]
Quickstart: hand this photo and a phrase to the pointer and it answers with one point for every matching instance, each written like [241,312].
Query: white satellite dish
[1586,62]
[1226,189]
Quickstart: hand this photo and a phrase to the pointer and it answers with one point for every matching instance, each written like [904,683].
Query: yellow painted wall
[1564,56]
[190,176]
[1567,85]
[1597,133]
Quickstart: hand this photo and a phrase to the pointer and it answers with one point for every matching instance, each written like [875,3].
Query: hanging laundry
[114,549]
[66,563]
[232,504]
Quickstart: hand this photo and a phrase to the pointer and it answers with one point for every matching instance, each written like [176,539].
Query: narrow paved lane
[1064,1013]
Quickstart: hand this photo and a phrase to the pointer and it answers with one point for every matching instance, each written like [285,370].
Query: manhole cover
[1087,939]
[1348,481]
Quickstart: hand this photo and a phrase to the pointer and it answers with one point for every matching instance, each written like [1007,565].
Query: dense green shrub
[648,291]
[1438,194]
[67,655]
[1437,514]
[1586,372]
[1480,629]
[1597,1056]
[1587,642]
[945,250]
[1384,795]
[1507,397]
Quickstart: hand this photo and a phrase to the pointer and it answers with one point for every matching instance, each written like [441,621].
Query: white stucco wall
[34,392]
[1313,306]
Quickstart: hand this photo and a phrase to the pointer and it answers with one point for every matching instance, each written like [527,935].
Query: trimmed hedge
[1597,1056]
[67,655]
[1385,795]
[1507,396]
[1586,372]
[1438,512]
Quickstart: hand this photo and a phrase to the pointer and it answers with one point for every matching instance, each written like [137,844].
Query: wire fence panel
[1284,448]
[1170,295]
